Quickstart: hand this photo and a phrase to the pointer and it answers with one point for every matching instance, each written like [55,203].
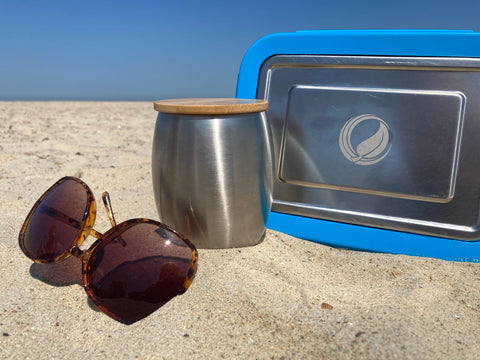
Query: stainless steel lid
[391,142]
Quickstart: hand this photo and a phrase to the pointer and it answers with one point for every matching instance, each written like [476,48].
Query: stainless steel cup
[212,167]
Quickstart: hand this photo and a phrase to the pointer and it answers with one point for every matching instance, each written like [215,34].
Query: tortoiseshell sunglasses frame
[86,229]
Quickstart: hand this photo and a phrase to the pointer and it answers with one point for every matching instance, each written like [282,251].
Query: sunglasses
[130,271]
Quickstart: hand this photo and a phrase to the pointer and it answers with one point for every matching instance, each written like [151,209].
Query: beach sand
[285,298]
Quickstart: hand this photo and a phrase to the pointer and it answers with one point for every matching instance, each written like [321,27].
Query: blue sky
[148,50]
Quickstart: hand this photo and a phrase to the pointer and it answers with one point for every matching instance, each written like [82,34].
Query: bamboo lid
[210,106]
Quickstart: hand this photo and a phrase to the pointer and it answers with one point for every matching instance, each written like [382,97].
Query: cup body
[213,177]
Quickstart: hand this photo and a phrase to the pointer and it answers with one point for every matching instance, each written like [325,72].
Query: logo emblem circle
[371,150]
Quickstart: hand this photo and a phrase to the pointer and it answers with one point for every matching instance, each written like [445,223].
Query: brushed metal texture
[213,177]
[390,142]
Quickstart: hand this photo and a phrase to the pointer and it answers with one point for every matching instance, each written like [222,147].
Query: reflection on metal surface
[213,177]
[316,116]
[380,141]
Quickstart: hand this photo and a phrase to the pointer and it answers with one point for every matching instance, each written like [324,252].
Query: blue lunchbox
[376,137]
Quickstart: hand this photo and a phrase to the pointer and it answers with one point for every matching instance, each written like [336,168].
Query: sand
[262,302]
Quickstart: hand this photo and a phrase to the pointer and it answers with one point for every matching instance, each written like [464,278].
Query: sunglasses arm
[95,233]
[108,208]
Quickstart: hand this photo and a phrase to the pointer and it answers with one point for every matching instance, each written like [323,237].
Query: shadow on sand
[64,273]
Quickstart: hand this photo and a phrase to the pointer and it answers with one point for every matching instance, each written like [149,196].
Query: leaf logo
[370,151]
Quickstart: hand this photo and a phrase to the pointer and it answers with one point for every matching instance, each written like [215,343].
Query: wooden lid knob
[210,106]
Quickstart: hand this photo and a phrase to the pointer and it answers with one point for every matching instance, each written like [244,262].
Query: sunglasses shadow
[67,272]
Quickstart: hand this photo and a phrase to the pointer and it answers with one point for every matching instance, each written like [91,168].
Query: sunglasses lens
[56,222]
[136,268]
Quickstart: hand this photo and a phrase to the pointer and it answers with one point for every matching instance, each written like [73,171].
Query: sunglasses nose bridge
[75,251]
[79,253]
